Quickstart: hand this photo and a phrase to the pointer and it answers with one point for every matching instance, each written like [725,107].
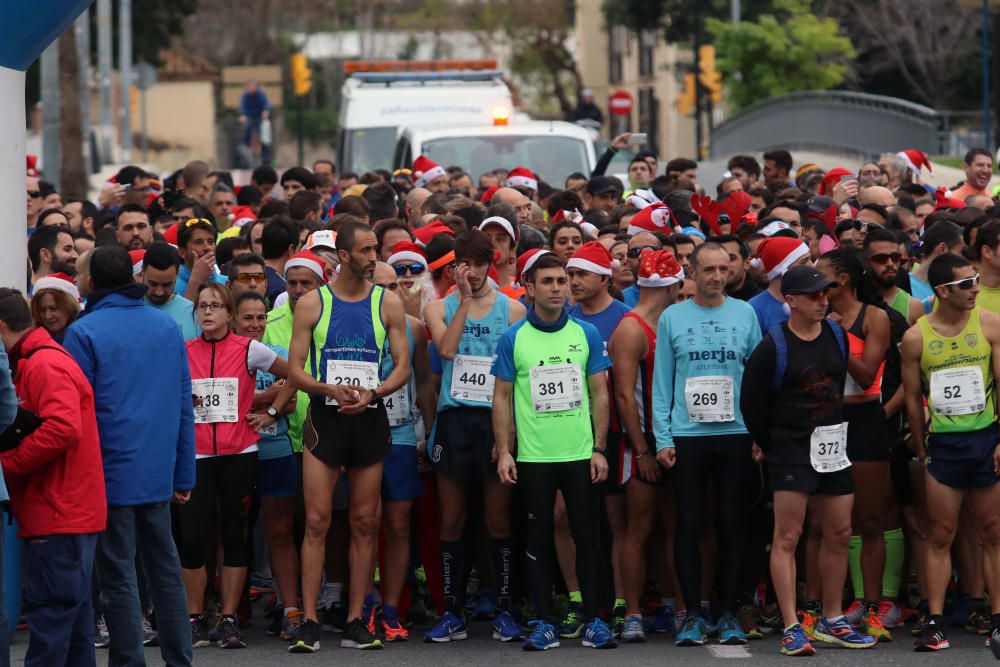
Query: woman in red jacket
[223,379]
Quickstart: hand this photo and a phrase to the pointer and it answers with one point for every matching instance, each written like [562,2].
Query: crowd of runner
[581,407]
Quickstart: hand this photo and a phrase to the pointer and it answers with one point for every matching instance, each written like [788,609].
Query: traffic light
[707,76]
[301,74]
[686,100]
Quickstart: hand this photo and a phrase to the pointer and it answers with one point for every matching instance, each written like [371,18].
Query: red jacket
[55,476]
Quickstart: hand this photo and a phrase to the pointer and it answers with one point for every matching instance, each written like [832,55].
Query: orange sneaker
[394,630]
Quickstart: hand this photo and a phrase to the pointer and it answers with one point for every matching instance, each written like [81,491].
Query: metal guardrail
[831,121]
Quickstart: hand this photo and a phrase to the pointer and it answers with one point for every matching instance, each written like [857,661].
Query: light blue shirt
[693,341]
[181,311]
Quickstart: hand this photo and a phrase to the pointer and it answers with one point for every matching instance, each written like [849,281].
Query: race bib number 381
[556,388]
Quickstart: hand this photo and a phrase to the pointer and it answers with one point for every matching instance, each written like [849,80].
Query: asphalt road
[479,649]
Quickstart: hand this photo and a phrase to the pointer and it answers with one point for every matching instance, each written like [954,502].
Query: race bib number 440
[471,379]
[215,400]
[556,388]
[356,373]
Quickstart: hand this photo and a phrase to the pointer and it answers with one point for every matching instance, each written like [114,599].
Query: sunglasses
[34,194]
[867,226]
[814,296]
[414,269]
[886,257]
[247,278]
[635,253]
[964,283]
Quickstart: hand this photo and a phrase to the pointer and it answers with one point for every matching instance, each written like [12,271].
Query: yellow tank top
[957,376]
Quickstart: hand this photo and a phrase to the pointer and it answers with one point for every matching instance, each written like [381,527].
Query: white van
[551,149]
[375,104]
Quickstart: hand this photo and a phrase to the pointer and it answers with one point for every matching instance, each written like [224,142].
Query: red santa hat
[136,256]
[571,216]
[427,232]
[526,260]
[307,259]
[407,251]
[488,195]
[500,222]
[659,268]
[60,282]
[170,233]
[944,199]
[522,176]
[425,171]
[831,179]
[32,163]
[776,254]
[242,215]
[593,257]
[915,160]
[653,218]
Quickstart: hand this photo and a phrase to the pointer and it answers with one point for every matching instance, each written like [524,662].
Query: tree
[788,50]
[676,17]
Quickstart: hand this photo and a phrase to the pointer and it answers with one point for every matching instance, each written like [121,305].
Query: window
[617,37]
[647,49]
[649,115]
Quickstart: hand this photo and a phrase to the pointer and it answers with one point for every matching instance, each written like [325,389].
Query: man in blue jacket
[135,360]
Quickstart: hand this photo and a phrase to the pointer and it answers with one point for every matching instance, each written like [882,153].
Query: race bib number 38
[215,400]
[709,398]
[471,379]
[357,373]
[556,388]
[828,448]
[958,391]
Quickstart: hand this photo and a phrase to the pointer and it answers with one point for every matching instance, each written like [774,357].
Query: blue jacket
[8,409]
[135,359]
[254,104]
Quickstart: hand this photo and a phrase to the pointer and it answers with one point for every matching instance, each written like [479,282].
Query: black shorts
[868,436]
[612,486]
[963,460]
[463,444]
[351,441]
[803,478]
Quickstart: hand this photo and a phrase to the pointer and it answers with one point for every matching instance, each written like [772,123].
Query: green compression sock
[575,596]
[892,575]
[854,566]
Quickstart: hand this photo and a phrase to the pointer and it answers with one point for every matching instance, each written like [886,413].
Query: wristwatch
[374,400]
[603,451]
[272,412]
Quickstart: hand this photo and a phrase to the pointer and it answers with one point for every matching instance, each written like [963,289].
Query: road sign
[620,103]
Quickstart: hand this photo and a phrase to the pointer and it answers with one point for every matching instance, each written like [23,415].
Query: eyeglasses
[636,253]
[867,226]
[964,283]
[814,296]
[210,307]
[34,194]
[414,269]
[195,221]
[886,257]
[247,278]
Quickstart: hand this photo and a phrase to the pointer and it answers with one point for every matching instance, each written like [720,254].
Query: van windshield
[368,148]
[552,158]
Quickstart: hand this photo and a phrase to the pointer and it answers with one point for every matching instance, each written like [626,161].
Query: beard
[62,266]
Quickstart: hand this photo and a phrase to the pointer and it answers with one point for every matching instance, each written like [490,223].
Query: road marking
[719,651]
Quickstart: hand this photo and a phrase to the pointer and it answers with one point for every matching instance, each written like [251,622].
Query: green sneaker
[571,625]
[617,621]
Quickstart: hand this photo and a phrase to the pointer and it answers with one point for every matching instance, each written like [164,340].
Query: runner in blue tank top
[338,335]
[466,327]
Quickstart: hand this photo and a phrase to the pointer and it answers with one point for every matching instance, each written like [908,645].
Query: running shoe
[730,632]
[357,635]
[890,615]
[795,642]
[543,637]
[679,617]
[770,619]
[393,630]
[979,622]
[199,631]
[871,624]
[102,638]
[693,632]
[633,631]
[149,636]
[618,620]
[290,624]
[855,613]
[748,622]
[335,617]
[449,628]
[994,641]
[306,640]
[842,633]
[931,638]
[368,614]
[599,635]
[664,620]
[275,619]
[571,626]
[919,622]
[808,621]
[505,628]
[229,633]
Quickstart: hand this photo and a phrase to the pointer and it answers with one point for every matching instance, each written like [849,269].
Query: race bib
[828,448]
[357,373]
[556,388]
[471,379]
[215,400]
[958,391]
[709,398]
[397,406]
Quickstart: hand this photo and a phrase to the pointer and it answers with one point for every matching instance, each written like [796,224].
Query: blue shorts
[276,478]
[400,479]
[963,460]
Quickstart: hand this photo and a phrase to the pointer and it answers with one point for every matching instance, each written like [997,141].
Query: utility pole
[987,143]
[125,76]
[82,28]
[104,35]
[50,113]
[734,10]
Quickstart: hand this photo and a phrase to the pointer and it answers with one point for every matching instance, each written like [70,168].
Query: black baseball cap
[804,279]
[600,185]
